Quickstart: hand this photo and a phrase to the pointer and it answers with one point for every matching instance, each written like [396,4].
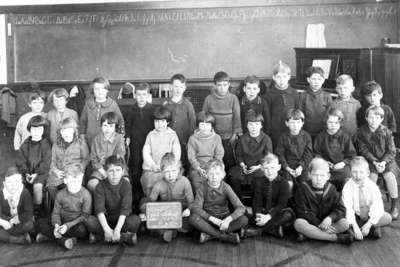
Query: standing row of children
[219,126]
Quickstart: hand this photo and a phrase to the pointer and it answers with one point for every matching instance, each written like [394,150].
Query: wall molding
[60,8]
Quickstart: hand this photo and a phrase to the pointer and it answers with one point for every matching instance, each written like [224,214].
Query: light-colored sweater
[157,144]
[203,148]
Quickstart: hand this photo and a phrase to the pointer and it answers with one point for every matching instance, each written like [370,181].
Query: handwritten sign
[214,15]
[164,215]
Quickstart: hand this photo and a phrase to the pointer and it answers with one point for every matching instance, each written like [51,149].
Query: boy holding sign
[173,187]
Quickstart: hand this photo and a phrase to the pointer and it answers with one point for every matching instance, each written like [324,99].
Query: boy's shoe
[129,238]
[69,243]
[345,238]
[40,238]
[168,235]
[205,237]
[376,231]
[278,232]
[250,232]
[93,238]
[301,237]
[233,238]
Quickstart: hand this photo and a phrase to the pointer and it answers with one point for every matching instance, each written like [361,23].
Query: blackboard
[164,215]
[154,44]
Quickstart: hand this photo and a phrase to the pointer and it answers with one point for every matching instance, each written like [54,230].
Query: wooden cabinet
[386,71]
[356,62]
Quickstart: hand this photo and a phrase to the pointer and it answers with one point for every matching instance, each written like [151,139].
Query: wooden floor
[185,251]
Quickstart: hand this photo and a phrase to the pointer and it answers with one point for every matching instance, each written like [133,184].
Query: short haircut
[359,161]
[110,118]
[342,79]
[69,123]
[103,81]
[294,114]
[215,163]
[281,67]
[169,160]
[203,116]
[371,86]
[143,87]
[269,158]
[74,170]
[334,112]
[315,70]
[179,77]
[114,160]
[252,79]
[221,76]
[162,113]
[252,116]
[37,121]
[36,94]
[316,163]
[376,110]
[58,92]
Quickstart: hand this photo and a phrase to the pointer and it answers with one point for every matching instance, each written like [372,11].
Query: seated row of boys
[322,212]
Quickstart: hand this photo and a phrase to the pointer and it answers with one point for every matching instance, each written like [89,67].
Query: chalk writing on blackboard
[164,215]
[240,15]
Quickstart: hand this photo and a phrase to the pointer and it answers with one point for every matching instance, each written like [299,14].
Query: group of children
[295,155]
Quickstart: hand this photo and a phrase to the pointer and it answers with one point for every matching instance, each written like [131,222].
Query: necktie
[268,204]
[13,206]
[362,202]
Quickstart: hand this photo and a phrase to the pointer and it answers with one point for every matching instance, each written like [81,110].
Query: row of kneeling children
[319,211]
[216,136]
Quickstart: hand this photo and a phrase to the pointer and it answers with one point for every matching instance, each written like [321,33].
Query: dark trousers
[207,227]
[238,179]
[17,230]
[228,159]
[45,227]
[135,172]
[284,218]
[50,197]
[132,223]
